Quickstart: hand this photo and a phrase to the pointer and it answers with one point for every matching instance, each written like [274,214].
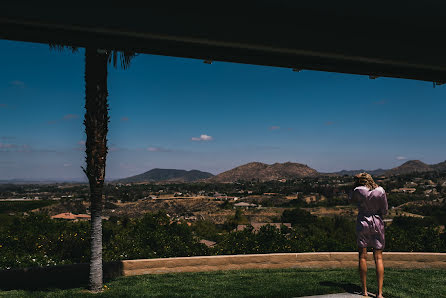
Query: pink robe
[372,205]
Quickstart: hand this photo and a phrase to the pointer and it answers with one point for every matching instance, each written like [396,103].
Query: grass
[260,283]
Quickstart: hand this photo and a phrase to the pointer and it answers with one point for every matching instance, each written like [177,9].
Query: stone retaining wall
[285,260]
[69,276]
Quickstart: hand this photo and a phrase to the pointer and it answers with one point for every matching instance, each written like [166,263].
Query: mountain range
[250,171]
[265,172]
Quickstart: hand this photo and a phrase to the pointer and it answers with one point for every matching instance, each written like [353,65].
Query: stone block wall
[284,260]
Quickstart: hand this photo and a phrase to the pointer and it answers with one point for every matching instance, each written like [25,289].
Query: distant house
[208,243]
[71,216]
[258,225]
[223,198]
[75,217]
[405,190]
[431,192]
[314,197]
[191,218]
[244,205]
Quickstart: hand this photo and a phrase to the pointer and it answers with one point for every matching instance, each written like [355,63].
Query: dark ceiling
[400,39]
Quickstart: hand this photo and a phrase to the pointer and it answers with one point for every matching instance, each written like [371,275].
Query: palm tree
[96,128]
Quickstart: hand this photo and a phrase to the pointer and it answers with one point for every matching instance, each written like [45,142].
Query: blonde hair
[365,179]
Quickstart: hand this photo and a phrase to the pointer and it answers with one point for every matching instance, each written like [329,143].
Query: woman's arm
[385,206]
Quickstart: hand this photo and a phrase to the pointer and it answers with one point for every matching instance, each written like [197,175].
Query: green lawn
[261,283]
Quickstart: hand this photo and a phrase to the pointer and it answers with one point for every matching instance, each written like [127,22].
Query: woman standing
[372,205]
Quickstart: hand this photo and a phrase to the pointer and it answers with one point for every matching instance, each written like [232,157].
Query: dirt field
[204,208]
[190,209]
[348,211]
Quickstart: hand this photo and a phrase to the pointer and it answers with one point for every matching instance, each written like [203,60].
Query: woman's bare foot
[364,294]
[380,296]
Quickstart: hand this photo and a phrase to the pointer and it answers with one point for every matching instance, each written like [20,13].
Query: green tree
[298,216]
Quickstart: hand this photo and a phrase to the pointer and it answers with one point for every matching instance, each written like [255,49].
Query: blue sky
[182,113]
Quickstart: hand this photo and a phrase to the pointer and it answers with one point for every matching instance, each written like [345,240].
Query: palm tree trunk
[96,128]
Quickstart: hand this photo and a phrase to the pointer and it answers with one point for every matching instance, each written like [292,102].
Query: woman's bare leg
[378,256]
[363,268]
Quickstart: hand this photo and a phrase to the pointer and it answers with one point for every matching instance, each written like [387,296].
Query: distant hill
[411,166]
[45,181]
[265,172]
[158,175]
[416,166]
[376,172]
[441,167]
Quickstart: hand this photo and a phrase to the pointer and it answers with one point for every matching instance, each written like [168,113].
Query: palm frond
[61,47]
[124,58]
[114,56]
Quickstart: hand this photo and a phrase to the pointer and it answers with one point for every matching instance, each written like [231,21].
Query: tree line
[37,240]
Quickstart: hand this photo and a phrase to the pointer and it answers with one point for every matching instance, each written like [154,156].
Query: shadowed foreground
[261,283]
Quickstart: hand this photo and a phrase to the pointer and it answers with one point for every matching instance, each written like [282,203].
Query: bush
[37,240]
[298,216]
[414,234]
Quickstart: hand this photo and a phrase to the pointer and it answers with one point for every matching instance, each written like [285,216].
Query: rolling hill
[411,166]
[416,166]
[264,172]
[376,172]
[159,175]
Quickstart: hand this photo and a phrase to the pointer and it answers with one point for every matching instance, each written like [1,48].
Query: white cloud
[7,146]
[129,166]
[70,116]
[66,117]
[157,149]
[380,102]
[203,137]
[17,83]
[401,157]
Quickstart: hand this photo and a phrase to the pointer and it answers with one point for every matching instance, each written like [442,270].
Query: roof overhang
[401,41]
